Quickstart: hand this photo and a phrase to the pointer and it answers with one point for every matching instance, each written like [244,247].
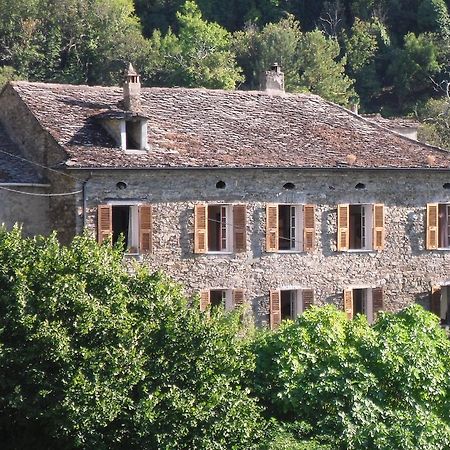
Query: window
[438,226]
[360,227]
[366,301]
[222,298]
[290,228]
[220,228]
[289,304]
[133,222]
[440,303]
[134,134]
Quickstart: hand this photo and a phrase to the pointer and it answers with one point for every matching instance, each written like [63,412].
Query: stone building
[272,199]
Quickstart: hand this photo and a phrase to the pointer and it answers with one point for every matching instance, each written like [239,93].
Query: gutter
[39,185]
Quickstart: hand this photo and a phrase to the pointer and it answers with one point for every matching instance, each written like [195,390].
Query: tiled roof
[213,128]
[393,122]
[13,168]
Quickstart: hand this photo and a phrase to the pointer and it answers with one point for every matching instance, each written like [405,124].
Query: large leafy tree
[93,357]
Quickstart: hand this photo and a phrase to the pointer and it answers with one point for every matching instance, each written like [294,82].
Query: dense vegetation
[95,356]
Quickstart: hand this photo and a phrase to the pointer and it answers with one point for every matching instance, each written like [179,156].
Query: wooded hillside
[390,56]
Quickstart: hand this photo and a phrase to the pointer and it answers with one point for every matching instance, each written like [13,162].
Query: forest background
[388,56]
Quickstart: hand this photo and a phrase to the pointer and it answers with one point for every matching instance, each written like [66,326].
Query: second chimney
[132,90]
[272,81]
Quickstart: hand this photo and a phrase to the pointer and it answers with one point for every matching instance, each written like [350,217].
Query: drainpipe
[84,194]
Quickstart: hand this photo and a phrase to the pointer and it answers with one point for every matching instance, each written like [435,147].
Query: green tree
[199,56]
[432,15]
[321,70]
[434,116]
[258,49]
[93,357]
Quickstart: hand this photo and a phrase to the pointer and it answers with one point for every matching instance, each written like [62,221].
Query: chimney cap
[275,67]
[131,71]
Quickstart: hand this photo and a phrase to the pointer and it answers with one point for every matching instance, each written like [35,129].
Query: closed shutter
[308,298]
[435,303]
[238,297]
[104,222]
[275,309]
[239,228]
[145,229]
[432,226]
[204,300]
[272,228]
[348,303]
[308,228]
[200,228]
[378,227]
[377,301]
[343,238]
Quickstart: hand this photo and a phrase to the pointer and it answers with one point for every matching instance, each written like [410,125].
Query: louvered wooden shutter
[348,303]
[378,227]
[308,298]
[145,228]
[239,228]
[272,228]
[104,222]
[204,300]
[343,238]
[238,297]
[308,228]
[275,309]
[200,228]
[435,303]
[432,226]
[377,301]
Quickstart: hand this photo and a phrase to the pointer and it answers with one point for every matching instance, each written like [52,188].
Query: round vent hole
[289,186]
[360,186]
[221,185]
[446,185]
[121,185]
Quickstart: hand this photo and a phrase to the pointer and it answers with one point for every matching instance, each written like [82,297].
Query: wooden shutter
[435,301]
[432,226]
[348,303]
[145,228]
[204,300]
[378,227]
[239,228]
[275,309]
[308,298]
[377,301]
[238,297]
[200,228]
[308,228]
[343,237]
[104,222]
[272,228]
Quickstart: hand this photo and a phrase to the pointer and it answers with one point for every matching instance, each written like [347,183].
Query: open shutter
[432,226]
[378,227]
[272,228]
[201,228]
[204,300]
[348,303]
[377,301]
[145,228]
[275,309]
[239,228]
[343,238]
[308,228]
[308,298]
[238,297]
[104,225]
[435,303]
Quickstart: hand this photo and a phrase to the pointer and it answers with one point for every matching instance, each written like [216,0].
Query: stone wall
[404,268]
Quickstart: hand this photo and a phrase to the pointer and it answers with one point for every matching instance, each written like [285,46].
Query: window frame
[298,227]
[229,231]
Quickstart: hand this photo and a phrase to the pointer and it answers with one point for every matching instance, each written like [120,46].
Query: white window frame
[298,227]
[297,306]
[444,230]
[367,306]
[229,223]
[133,231]
[227,296]
[143,143]
[366,226]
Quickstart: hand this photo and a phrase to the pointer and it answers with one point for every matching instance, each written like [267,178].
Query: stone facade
[405,269]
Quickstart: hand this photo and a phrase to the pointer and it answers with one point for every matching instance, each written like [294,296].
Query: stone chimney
[272,81]
[132,90]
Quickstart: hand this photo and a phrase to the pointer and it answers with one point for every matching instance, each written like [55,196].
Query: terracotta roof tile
[213,128]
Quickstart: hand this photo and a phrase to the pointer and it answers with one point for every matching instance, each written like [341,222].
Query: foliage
[7,73]
[435,122]
[321,70]
[381,388]
[93,357]
[199,56]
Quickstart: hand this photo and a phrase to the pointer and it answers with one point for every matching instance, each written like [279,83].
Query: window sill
[289,251]
[218,253]
[359,250]
[441,249]
[137,256]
